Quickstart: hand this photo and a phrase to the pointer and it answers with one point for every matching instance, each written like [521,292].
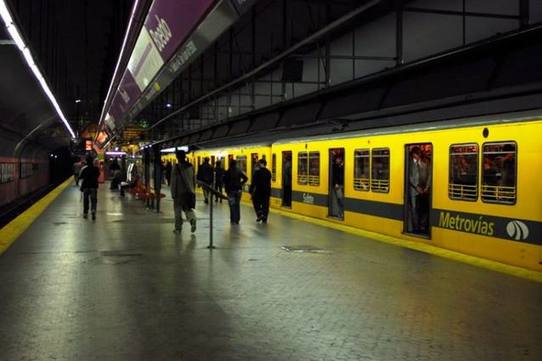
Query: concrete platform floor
[126,288]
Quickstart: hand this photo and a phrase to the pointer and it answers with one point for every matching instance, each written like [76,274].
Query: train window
[26,170]
[274,167]
[7,171]
[242,163]
[314,168]
[463,172]
[303,168]
[380,180]
[499,162]
[362,173]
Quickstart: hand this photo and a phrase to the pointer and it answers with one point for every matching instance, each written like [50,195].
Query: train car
[468,188]
[246,156]
[21,177]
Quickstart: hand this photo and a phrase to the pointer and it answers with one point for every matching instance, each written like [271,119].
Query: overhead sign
[173,34]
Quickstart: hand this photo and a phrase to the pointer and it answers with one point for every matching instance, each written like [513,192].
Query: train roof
[335,130]
[411,128]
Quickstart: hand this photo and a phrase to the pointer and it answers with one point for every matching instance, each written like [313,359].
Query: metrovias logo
[517,230]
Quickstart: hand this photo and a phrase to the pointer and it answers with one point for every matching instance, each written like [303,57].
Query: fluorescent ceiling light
[115,153]
[17,38]
[173,150]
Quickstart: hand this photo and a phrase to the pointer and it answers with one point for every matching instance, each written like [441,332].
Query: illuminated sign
[173,34]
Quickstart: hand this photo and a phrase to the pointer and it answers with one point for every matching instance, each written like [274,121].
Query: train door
[230,158]
[418,189]
[336,183]
[287,179]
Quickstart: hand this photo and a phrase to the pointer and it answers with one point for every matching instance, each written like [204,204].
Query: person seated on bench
[131,179]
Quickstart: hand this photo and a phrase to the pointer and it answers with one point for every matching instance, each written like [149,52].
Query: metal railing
[311,180]
[362,184]
[380,185]
[499,194]
[463,191]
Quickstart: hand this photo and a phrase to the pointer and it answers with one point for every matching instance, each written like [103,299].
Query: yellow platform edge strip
[13,230]
[436,251]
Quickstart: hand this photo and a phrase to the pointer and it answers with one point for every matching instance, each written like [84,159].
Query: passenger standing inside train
[219,179]
[182,192]
[205,174]
[287,183]
[261,191]
[234,180]
[419,185]
[424,196]
[338,184]
[413,188]
[89,187]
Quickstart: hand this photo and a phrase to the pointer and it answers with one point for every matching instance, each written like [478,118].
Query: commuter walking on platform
[114,171]
[219,179]
[205,174]
[182,192]
[260,189]
[234,179]
[89,186]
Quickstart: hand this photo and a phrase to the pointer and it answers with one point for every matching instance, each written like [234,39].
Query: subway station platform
[126,288]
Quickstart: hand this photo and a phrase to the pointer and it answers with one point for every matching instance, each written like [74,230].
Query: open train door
[418,189]
[336,183]
[287,179]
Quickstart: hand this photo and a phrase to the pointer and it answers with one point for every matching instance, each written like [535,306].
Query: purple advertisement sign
[169,22]
[128,90]
[167,26]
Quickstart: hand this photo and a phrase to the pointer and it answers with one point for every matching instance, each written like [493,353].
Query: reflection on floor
[127,288]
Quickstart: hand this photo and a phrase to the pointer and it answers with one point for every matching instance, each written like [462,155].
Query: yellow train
[471,188]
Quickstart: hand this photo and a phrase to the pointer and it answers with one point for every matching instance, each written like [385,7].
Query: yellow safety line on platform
[10,232]
[426,248]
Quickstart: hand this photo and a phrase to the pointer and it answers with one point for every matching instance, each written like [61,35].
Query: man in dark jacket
[261,191]
[89,187]
[205,174]
[114,173]
[182,192]
[234,179]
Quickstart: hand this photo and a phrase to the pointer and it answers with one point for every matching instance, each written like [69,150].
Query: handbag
[188,198]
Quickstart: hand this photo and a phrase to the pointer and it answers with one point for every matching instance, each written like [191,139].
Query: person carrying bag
[182,192]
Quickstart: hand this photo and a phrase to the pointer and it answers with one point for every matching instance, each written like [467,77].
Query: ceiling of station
[25,112]
[77,45]
[287,50]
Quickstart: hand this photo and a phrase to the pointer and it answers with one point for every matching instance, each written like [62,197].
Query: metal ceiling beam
[307,41]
